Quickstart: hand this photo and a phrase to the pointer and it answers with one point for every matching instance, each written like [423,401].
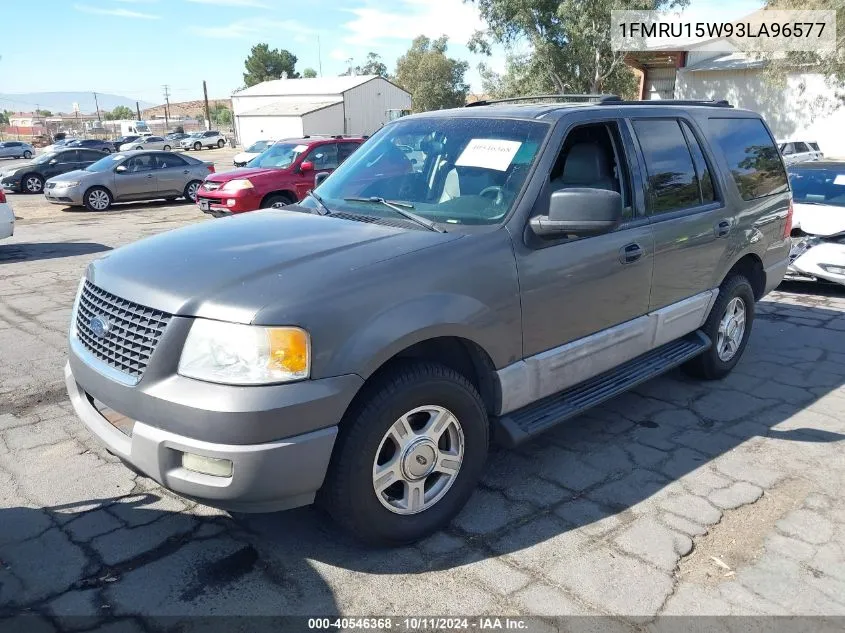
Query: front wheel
[166,148]
[197,146]
[33,183]
[408,455]
[139,147]
[221,143]
[97,199]
[276,201]
[728,326]
[27,154]
[107,150]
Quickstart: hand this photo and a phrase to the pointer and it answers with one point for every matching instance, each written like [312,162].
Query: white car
[148,142]
[251,152]
[818,221]
[799,151]
[198,140]
[7,218]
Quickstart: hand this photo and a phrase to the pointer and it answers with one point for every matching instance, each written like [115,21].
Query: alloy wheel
[34,184]
[731,329]
[192,190]
[99,200]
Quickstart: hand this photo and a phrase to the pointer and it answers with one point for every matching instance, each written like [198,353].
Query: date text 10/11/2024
[418,623]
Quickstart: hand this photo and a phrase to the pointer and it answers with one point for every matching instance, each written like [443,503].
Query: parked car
[147,142]
[281,175]
[198,140]
[176,137]
[93,143]
[250,152]
[799,151]
[118,142]
[30,177]
[16,149]
[7,217]
[818,234]
[129,176]
[368,343]
[59,144]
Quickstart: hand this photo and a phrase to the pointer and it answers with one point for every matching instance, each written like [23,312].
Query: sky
[132,47]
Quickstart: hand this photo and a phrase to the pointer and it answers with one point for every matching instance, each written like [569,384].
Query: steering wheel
[496,190]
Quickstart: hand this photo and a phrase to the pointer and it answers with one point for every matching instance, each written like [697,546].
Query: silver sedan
[16,149]
[129,176]
[148,142]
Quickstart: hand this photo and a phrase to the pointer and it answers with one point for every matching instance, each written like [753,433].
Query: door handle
[722,228]
[630,253]
[186,171]
[149,175]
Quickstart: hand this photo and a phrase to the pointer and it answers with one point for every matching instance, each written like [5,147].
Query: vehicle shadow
[594,469]
[130,207]
[10,253]
[813,288]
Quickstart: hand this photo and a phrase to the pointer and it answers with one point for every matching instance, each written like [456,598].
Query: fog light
[207,465]
[833,270]
[231,202]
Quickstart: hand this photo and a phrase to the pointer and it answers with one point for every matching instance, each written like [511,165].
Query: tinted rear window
[752,156]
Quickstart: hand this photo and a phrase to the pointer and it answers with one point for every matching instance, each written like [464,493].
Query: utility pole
[205,97]
[319,57]
[97,105]
[138,110]
[166,106]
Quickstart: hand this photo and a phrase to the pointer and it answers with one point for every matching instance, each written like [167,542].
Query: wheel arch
[281,192]
[751,267]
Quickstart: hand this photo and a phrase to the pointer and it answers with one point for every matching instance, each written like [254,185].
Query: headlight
[238,184]
[64,184]
[235,354]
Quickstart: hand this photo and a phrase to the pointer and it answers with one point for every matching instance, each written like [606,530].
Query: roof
[291,108]
[315,86]
[728,61]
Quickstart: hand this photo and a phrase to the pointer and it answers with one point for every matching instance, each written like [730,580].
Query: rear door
[87,157]
[686,209]
[172,174]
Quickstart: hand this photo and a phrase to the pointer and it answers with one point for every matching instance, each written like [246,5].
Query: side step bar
[523,424]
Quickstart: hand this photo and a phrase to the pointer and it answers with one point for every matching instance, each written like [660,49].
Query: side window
[672,181]
[323,156]
[752,156]
[788,148]
[345,150]
[592,157]
[145,162]
[173,160]
[71,156]
[814,147]
[702,169]
[801,147]
[88,155]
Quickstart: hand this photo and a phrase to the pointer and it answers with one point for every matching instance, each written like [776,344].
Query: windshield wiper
[402,209]
[326,210]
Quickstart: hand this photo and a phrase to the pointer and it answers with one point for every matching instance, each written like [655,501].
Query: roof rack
[565,98]
[712,103]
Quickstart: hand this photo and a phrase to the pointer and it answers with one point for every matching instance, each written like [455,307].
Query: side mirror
[120,169]
[319,178]
[581,212]
[306,166]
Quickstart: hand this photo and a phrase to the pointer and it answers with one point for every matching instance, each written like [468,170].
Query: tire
[97,199]
[139,148]
[166,148]
[197,146]
[106,150]
[27,154]
[365,442]
[276,200]
[711,365]
[32,183]
[221,143]
[195,185]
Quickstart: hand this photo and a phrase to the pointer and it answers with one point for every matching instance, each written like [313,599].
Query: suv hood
[228,269]
[244,172]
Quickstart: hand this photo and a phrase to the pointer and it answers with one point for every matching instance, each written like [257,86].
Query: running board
[523,424]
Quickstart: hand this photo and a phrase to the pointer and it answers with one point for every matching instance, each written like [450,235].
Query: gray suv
[363,347]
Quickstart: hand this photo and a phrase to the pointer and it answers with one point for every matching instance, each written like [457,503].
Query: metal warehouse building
[286,108]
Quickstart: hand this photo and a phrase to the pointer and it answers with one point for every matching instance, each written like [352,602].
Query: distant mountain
[63,101]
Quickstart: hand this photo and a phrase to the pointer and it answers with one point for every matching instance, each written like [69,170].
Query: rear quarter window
[752,156]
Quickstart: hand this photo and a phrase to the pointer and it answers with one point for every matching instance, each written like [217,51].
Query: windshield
[105,164]
[280,155]
[44,158]
[258,146]
[453,171]
[818,186]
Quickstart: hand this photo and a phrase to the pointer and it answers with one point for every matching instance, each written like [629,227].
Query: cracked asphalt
[679,498]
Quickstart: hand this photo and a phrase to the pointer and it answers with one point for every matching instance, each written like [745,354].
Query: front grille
[133,333]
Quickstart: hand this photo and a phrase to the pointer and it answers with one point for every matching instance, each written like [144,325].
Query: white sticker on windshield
[490,153]
[839,180]
[300,148]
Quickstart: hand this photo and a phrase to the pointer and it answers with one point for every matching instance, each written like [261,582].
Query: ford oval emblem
[100,326]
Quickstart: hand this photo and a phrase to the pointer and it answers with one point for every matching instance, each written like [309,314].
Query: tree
[44,113]
[434,80]
[264,64]
[569,41]
[120,113]
[220,114]
[309,73]
[4,117]
[373,66]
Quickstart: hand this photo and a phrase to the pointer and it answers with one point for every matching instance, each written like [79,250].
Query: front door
[577,287]
[687,213]
[139,180]
[324,159]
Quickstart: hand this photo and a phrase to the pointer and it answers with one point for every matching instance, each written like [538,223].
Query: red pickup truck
[279,176]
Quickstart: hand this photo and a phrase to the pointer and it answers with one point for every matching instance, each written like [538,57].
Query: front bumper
[216,202]
[279,438]
[11,184]
[821,261]
[64,195]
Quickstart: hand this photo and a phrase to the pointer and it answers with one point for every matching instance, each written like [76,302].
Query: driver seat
[586,166]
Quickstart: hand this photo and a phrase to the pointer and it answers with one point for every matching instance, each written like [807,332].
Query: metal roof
[728,61]
[302,87]
[291,108]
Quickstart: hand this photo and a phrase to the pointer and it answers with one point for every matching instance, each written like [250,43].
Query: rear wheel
[408,456]
[27,154]
[728,326]
[191,189]
[276,201]
[33,183]
[197,146]
[166,148]
[220,144]
[139,147]
[97,199]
